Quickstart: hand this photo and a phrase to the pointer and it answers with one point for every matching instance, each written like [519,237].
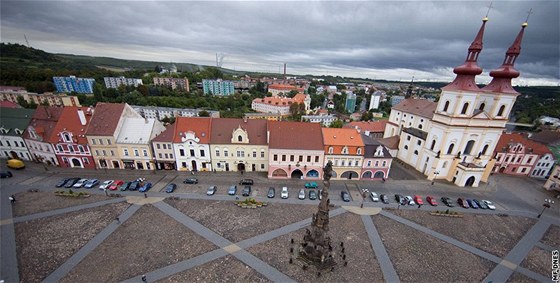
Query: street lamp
[436,172]
[547,203]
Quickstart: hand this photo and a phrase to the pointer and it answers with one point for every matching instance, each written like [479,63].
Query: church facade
[454,139]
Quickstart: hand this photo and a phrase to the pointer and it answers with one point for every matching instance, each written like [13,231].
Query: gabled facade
[69,139]
[345,149]
[162,147]
[102,133]
[515,154]
[239,145]
[38,133]
[13,122]
[134,142]
[295,150]
[377,160]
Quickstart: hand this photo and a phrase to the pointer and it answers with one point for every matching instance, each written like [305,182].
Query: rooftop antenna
[24,36]
[489,7]
[529,14]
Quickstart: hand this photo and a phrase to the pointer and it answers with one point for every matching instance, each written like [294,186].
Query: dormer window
[239,138]
[66,137]
[359,151]
[345,150]
[331,150]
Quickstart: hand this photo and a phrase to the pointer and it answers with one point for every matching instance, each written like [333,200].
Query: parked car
[91,183]
[489,204]
[5,174]
[374,196]
[125,186]
[61,183]
[418,200]
[271,192]
[246,182]
[246,191]
[462,203]
[312,195]
[311,185]
[106,184]
[384,199]
[447,201]
[400,199]
[481,204]
[15,164]
[80,183]
[477,203]
[170,188]
[115,185]
[472,204]
[232,190]
[211,190]
[409,200]
[301,194]
[190,181]
[146,187]
[345,196]
[284,193]
[133,185]
[71,182]
[431,200]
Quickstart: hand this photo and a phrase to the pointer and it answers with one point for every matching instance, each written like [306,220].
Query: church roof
[416,132]
[390,142]
[420,107]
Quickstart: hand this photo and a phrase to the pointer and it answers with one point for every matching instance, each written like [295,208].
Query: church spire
[467,72]
[501,77]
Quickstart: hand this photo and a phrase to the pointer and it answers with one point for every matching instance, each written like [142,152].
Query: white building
[13,121]
[324,120]
[115,82]
[375,100]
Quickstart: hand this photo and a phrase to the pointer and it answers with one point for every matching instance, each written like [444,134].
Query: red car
[115,185]
[431,200]
[418,200]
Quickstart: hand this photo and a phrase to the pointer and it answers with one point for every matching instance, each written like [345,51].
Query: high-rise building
[218,87]
[73,84]
[350,104]
[115,82]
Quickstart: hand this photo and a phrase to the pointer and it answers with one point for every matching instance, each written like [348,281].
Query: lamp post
[547,203]
[436,172]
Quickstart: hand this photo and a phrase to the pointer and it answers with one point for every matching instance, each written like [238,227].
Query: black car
[5,174]
[344,196]
[62,182]
[480,204]
[312,195]
[190,181]
[384,199]
[246,191]
[447,201]
[71,182]
[271,192]
[133,186]
[170,188]
[400,198]
[246,182]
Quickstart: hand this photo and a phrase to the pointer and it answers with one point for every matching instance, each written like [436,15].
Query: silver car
[80,183]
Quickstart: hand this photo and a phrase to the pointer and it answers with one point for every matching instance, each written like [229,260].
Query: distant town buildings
[218,87]
[61,99]
[73,84]
[350,104]
[282,89]
[280,105]
[115,82]
[324,119]
[173,83]
[155,112]
[396,99]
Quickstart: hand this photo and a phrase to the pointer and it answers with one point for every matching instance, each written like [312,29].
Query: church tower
[468,121]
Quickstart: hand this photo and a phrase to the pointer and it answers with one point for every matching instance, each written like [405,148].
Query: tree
[22,102]
[337,124]
[203,113]
[296,110]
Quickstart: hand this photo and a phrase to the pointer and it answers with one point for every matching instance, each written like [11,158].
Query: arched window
[420,126]
[67,137]
[433,145]
[484,149]
[450,149]
[239,138]
[465,108]
[501,111]
[444,165]
[482,106]
[359,151]
[445,106]
[331,150]
[469,147]
[416,152]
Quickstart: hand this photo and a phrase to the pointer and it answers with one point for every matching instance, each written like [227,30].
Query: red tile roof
[222,129]
[420,107]
[8,104]
[201,126]
[105,119]
[70,121]
[295,135]
[371,126]
[341,136]
[514,138]
[44,121]
[167,134]
[547,137]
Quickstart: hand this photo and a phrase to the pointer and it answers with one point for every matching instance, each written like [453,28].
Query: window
[171,155]
[406,147]
[125,152]
[316,158]
[97,152]
[529,160]
[309,158]
[158,146]
[445,106]
[181,152]
[108,141]
[262,166]
[66,137]
[8,143]
[384,163]
[136,152]
[342,162]
[283,157]
[145,152]
[419,142]
[22,145]
[518,159]
[356,163]
[100,141]
[262,154]
[444,165]
[239,138]
[71,148]
[484,149]
[416,152]
[433,145]
[217,152]
[93,141]
[65,160]
[481,107]
[192,152]
[300,158]
[160,155]
[523,170]
[275,157]
[81,148]
[331,149]
[166,155]
[184,164]
[202,154]
[465,108]
[501,111]
[345,150]
[59,148]
[240,153]
[168,146]
[254,154]
[291,158]
[112,153]
[420,126]
[450,149]
[369,163]
[359,151]
[1,143]
[407,137]
[469,147]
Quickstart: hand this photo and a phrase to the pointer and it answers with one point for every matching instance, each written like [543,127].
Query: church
[454,138]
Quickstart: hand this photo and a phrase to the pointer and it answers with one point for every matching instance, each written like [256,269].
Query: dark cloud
[371,38]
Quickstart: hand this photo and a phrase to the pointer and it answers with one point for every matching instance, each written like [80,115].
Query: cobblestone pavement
[505,268]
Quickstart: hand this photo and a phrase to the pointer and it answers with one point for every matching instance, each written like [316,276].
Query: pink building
[515,154]
[69,140]
[295,150]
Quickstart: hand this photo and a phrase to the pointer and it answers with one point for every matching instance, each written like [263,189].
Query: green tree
[22,102]
[203,113]
[337,124]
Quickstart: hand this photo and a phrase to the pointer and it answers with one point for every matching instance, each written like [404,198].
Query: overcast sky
[393,40]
